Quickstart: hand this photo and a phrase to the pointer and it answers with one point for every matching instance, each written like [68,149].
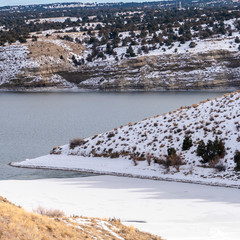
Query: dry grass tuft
[49,212]
[76,142]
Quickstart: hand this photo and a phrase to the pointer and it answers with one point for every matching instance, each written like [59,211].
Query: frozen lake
[175,211]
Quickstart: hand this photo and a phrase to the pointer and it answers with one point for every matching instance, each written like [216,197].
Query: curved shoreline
[95,172]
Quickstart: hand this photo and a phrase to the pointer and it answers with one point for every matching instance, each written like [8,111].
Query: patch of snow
[54,20]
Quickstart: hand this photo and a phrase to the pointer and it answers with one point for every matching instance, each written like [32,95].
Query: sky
[29,2]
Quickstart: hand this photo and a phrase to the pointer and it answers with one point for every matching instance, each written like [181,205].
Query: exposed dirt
[51,47]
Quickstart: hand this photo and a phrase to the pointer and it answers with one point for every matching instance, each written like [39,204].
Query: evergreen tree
[201,148]
[130,52]
[187,143]
[237,160]
[211,151]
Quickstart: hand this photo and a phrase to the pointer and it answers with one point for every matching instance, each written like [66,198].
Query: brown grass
[44,47]
[49,212]
[16,223]
[174,160]
[76,142]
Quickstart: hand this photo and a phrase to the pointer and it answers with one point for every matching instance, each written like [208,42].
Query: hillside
[147,148]
[137,49]
[38,65]
[16,223]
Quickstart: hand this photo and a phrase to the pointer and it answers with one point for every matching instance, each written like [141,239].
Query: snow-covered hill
[142,149]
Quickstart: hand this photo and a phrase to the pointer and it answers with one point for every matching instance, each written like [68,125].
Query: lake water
[32,123]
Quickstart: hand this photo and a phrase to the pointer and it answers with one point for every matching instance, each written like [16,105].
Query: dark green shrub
[201,148]
[187,143]
[192,45]
[237,160]
[211,151]
[218,147]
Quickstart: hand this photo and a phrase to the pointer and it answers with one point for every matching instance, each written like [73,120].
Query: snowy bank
[120,167]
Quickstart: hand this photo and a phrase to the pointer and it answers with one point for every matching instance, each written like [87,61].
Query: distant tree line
[116,19]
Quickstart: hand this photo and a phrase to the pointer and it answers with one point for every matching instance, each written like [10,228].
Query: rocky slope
[202,71]
[48,63]
[34,65]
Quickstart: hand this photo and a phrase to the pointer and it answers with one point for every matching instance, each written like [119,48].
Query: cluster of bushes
[212,151]
[12,37]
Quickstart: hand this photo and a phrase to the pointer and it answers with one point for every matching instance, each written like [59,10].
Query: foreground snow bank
[123,167]
[175,211]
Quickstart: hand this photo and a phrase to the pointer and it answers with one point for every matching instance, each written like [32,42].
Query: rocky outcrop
[215,70]
[212,70]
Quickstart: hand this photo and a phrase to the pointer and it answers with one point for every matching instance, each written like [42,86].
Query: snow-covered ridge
[140,149]
[13,59]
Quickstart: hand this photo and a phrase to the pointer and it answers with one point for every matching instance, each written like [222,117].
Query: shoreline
[128,175]
[83,90]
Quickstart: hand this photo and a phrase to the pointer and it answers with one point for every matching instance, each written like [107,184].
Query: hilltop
[199,143]
[27,225]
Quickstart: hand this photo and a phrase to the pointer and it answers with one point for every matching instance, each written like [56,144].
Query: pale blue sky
[28,2]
